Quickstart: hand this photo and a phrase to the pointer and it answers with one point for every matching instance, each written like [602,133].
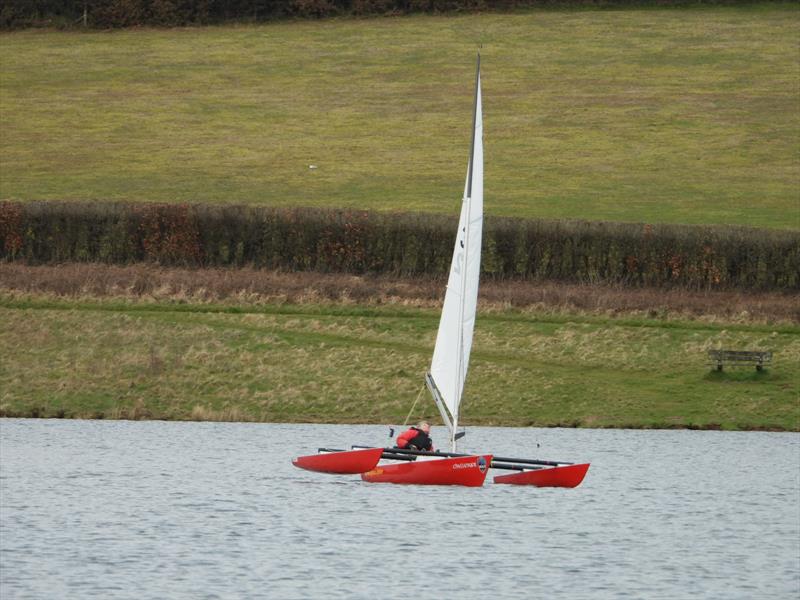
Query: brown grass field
[255,287]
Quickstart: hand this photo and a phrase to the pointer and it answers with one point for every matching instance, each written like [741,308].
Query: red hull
[464,470]
[349,462]
[569,476]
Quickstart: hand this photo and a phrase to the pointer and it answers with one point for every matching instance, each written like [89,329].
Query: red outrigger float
[568,476]
[341,462]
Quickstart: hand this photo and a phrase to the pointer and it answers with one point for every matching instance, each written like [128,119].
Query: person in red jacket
[416,438]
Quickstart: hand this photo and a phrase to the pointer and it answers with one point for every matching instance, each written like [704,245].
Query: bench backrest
[741,355]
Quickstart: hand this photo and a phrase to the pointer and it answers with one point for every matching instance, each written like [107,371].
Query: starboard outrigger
[448,371]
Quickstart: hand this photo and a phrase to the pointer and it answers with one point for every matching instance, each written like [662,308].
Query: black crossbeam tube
[501,459]
[416,452]
[530,461]
[393,456]
[511,467]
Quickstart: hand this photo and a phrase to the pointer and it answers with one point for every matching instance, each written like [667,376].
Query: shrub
[405,244]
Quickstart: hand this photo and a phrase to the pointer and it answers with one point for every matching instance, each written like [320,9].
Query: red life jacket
[405,438]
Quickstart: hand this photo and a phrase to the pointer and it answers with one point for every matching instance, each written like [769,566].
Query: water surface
[98,509]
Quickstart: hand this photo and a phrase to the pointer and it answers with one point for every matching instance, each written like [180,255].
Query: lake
[121,509]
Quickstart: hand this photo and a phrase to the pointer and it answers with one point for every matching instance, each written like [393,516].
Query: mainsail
[454,340]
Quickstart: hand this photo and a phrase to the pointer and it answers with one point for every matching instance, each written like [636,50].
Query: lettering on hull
[480,463]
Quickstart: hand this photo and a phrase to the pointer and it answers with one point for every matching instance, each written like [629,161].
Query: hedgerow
[403,244]
[107,14]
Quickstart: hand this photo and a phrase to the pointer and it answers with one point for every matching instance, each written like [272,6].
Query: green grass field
[338,363]
[676,116]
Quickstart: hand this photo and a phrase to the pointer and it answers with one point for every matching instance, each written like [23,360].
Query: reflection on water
[93,509]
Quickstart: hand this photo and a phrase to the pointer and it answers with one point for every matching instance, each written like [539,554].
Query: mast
[454,340]
[461,374]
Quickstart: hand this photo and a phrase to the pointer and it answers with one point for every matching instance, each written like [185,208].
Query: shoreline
[652,427]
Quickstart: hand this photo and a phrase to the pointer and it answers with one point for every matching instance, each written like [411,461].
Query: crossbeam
[496,459]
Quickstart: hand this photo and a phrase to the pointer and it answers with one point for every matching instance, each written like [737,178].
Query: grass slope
[337,363]
[680,116]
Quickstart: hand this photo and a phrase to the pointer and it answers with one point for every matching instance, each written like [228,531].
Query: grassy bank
[674,116]
[340,363]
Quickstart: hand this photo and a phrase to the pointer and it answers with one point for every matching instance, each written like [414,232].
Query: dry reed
[247,286]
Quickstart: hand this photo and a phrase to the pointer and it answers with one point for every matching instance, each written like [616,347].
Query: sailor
[416,438]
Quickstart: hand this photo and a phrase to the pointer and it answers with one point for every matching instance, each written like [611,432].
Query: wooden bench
[740,357]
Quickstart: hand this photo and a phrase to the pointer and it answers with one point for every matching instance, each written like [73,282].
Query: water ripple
[215,510]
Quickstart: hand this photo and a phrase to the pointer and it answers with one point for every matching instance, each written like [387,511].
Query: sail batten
[450,361]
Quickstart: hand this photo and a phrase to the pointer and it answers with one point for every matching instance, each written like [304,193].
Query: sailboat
[448,372]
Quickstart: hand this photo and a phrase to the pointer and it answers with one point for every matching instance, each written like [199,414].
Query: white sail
[454,340]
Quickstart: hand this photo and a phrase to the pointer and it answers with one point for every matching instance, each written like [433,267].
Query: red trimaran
[445,380]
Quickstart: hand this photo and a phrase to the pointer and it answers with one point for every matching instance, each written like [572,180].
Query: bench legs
[759,366]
